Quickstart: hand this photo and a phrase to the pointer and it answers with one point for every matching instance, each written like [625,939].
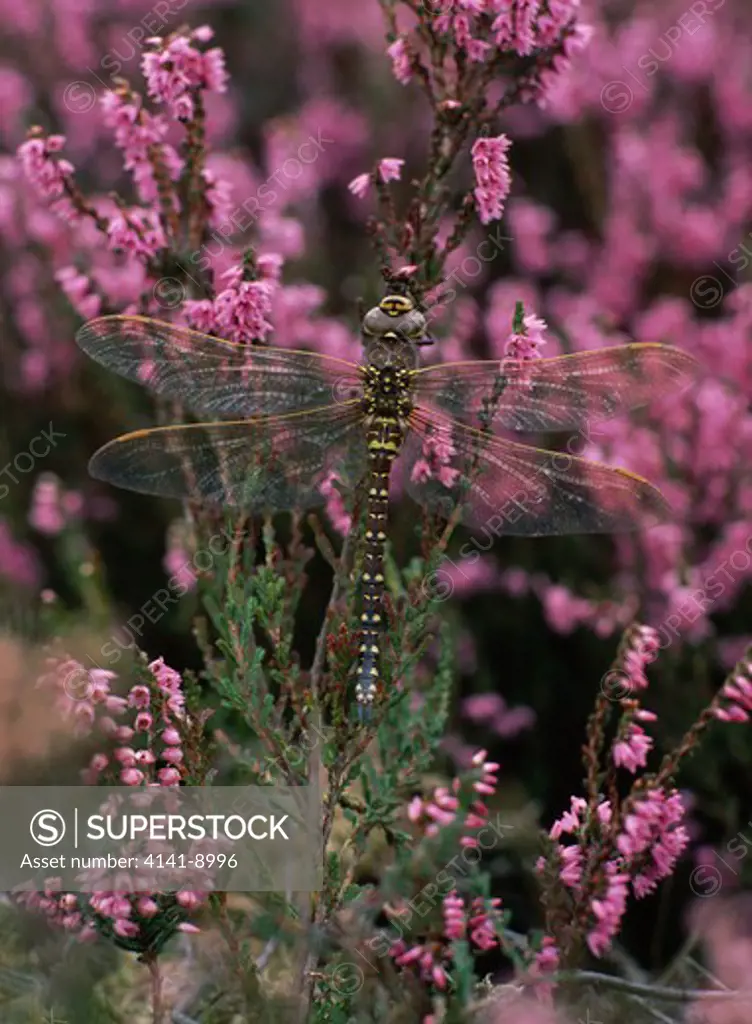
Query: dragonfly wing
[273,463]
[209,375]
[510,488]
[559,393]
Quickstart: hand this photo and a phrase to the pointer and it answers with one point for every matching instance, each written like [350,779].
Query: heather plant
[442,899]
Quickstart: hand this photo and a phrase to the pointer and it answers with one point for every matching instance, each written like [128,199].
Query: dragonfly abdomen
[384,442]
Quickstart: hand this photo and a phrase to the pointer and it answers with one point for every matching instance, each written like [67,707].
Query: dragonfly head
[395,315]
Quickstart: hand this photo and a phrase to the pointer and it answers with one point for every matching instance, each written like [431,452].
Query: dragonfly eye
[412,324]
[377,322]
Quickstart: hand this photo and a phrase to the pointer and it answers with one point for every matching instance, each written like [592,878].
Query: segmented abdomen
[384,442]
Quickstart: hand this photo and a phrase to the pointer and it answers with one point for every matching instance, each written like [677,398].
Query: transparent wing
[274,463]
[558,393]
[508,488]
[213,376]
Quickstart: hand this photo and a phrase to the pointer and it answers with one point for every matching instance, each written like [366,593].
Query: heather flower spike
[148,751]
[492,175]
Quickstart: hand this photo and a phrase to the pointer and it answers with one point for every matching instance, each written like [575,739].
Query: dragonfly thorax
[387,392]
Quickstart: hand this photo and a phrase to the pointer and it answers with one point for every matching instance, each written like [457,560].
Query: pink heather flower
[738,692]
[558,17]
[454,916]
[570,820]
[136,132]
[481,925]
[409,956]
[478,50]
[137,232]
[511,722]
[632,749]
[188,899]
[488,782]
[529,24]
[168,680]
[415,809]
[438,815]
[19,565]
[401,61]
[438,451]
[338,515]
[488,768]
[177,564]
[99,688]
[143,722]
[608,911]
[444,799]
[135,763]
[525,16]
[483,706]
[645,716]
[126,929]
[571,865]
[460,25]
[172,71]
[638,650]
[653,839]
[83,714]
[199,314]
[175,703]
[283,235]
[731,714]
[360,185]
[474,821]
[126,756]
[546,962]
[492,175]
[269,265]
[139,697]
[218,195]
[526,345]
[547,957]
[46,513]
[147,907]
[46,172]
[78,290]
[241,310]
[390,169]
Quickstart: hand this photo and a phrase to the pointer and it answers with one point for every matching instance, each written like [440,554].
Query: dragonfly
[285,423]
